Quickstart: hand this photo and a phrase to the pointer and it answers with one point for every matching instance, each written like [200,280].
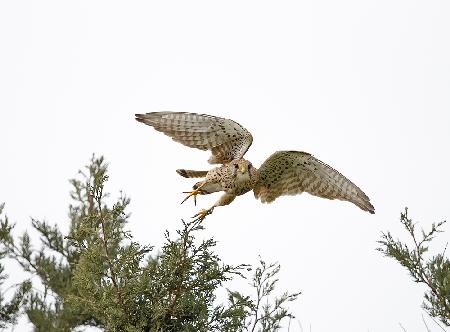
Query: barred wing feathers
[226,139]
[294,172]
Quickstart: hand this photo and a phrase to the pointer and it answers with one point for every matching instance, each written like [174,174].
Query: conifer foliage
[432,271]
[97,275]
[9,310]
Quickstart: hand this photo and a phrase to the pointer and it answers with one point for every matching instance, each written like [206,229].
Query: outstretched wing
[293,172]
[226,139]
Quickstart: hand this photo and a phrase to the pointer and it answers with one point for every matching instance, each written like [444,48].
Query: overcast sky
[362,85]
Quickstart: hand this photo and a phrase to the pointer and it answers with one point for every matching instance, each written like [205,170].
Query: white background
[363,85]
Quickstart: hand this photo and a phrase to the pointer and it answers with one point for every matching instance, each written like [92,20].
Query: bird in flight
[283,173]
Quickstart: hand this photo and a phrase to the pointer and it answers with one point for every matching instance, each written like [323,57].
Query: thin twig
[180,284]
[434,320]
[105,248]
[425,323]
[258,300]
[423,275]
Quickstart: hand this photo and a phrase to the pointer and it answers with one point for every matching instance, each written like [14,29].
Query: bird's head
[242,168]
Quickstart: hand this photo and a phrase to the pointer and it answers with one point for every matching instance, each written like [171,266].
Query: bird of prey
[283,173]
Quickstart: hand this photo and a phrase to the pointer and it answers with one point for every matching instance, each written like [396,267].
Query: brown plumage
[226,139]
[283,173]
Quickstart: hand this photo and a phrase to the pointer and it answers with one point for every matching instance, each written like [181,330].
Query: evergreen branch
[182,268]
[110,264]
[434,272]
[95,196]
[264,282]
[10,310]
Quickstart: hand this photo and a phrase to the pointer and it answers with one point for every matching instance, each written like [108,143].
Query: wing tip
[367,206]
[151,119]
[182,172]
[139,117]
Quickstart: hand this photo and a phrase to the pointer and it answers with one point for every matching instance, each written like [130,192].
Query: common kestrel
[283,173]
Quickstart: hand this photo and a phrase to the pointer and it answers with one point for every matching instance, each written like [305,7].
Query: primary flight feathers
[226,139]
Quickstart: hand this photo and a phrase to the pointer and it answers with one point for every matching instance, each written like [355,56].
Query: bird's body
[283,173]
[235,178]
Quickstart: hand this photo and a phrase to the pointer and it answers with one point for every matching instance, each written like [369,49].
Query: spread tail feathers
[187,173]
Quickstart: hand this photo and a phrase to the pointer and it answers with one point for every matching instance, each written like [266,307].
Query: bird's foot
[202,214]
[194,193]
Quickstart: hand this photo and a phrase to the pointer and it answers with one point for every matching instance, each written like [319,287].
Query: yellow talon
[195,192]
[202,214]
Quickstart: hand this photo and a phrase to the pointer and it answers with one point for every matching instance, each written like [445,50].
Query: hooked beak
[243,169]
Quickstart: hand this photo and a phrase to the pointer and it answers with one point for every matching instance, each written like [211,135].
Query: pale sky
[362,85]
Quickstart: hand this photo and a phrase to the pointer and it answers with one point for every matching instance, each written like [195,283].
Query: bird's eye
[249,166]
[236,166]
